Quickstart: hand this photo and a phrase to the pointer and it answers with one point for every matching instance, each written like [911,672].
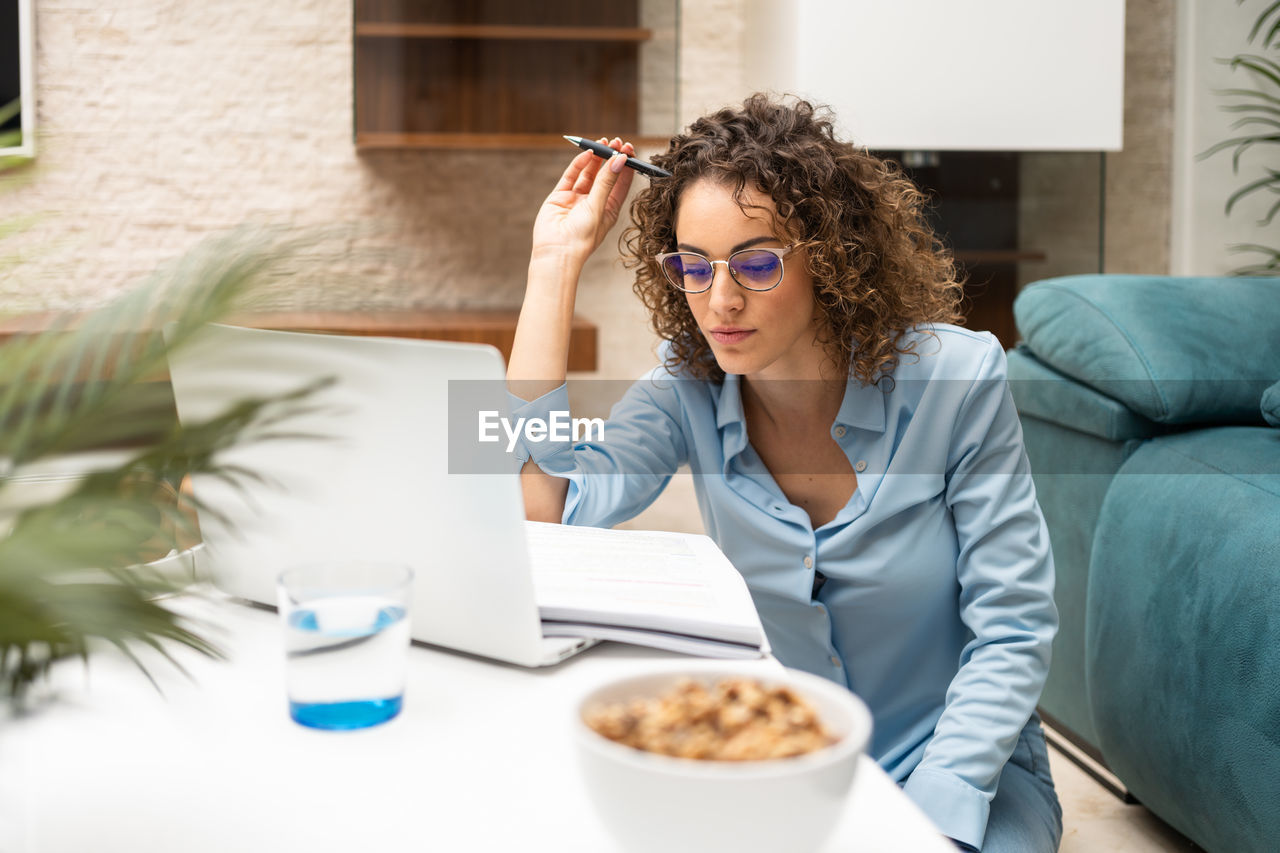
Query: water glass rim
[345,577]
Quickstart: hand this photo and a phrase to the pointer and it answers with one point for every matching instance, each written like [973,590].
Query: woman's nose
[726,295]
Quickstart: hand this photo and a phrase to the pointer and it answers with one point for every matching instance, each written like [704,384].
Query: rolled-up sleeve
[622,466]
[1005,576]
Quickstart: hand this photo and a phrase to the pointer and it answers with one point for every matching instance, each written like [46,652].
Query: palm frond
[72,570]
[1265,109]
[1241,144]
[1261,21]
[1265,121]
[1247,93]
[1260,106]
[1260,66]
[1271,180]
[1269,265]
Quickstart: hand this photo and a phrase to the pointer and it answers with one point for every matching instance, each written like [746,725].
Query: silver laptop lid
[382,483]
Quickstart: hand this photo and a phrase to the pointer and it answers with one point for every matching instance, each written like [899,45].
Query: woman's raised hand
[585,204]
[570,226]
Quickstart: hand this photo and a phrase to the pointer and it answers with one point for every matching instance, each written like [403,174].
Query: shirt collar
[729,409]
[863,406]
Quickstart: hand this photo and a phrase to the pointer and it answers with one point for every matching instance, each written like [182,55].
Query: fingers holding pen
[625,148]
[574,170]
[588,175]
[618,194]
[611,186]
[586,203]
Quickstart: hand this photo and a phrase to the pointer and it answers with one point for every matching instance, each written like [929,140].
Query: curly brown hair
[877,265]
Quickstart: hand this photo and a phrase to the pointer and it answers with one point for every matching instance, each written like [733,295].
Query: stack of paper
[674,591]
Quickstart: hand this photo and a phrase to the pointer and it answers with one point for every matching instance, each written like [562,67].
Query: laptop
[368,470]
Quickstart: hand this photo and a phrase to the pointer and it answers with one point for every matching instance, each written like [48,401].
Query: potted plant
[77,569]
[1259,124]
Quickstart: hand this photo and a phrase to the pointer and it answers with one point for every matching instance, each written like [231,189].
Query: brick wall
[162,122]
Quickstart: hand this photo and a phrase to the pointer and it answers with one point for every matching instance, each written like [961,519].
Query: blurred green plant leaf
[1270,182]
[1261,103]
[73,573]
[1269,265]
[1261,22]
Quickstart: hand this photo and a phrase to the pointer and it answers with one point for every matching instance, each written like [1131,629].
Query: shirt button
[835,661]
[840,432]
[808,562]
[861,466]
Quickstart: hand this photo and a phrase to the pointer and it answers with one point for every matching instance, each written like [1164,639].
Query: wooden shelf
[371,141]
[496,328]
[381,29]
[506,74]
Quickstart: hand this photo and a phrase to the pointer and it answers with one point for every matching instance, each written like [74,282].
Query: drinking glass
[346,626]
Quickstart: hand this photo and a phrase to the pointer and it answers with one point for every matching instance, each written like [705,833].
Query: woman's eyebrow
[746,244]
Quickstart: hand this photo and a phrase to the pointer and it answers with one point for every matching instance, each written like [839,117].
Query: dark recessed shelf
[998,256]
[507,73]
[372,141]
[380,29]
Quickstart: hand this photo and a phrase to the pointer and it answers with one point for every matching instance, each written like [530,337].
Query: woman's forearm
[539,361]
[540,351]
[544,494]
[570,226]
[539,364]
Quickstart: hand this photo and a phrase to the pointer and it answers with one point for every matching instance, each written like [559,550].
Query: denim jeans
[1025,814]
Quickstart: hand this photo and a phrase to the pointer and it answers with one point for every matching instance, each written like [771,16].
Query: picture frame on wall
[17,78]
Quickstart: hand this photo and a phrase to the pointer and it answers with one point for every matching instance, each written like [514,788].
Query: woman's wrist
[540,350]
[553,284]
[558,260]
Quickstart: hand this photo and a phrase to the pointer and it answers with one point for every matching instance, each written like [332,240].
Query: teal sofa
[1150,408]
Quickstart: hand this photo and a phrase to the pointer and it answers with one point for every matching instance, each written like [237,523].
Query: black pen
[606,152]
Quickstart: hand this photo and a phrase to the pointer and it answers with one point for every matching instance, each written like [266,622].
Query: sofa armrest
[1173,350]
[1041,392]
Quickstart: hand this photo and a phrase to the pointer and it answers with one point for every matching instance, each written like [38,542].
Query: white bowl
[652,802]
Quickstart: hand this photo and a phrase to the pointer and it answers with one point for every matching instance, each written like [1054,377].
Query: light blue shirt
[938,605]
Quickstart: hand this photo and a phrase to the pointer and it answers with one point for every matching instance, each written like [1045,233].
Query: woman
[856,455]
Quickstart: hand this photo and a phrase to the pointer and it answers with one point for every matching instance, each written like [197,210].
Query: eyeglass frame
[780,253]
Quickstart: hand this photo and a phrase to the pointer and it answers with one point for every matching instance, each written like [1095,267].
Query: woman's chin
[736,363]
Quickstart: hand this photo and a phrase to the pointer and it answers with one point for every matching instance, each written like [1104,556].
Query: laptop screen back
[368,471]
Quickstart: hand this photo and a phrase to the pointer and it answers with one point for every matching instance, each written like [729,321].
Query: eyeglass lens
[754,269]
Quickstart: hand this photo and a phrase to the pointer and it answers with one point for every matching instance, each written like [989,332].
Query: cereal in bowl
[738,719]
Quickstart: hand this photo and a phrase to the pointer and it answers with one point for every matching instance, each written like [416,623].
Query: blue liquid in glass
[346,668]
[307,620]
[345,715]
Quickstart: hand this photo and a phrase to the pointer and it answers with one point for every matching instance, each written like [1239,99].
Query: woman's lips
[731,336]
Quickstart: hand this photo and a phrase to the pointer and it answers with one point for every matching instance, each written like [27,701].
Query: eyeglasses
[754,269]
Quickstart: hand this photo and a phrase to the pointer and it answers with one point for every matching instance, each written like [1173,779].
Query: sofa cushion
[1271,405]
[1175,350]
[1183,633]
[1072,470]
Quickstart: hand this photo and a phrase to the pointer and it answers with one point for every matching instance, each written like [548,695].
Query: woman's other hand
[585,204]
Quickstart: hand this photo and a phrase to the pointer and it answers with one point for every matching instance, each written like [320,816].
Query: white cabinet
[993,75]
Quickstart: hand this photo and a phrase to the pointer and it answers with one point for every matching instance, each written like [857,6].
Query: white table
[480,759]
